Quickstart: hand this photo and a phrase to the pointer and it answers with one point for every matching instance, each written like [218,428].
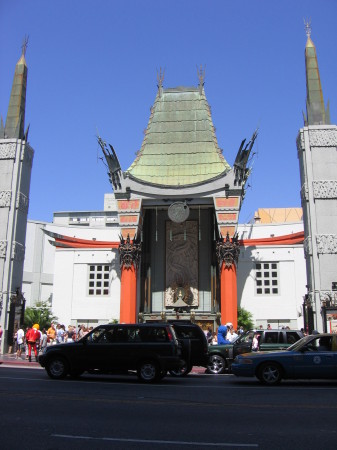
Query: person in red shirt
[32,338]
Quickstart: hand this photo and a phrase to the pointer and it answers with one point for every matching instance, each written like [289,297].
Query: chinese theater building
[178,207]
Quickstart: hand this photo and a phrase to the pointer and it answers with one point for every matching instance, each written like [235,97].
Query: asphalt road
[199,411]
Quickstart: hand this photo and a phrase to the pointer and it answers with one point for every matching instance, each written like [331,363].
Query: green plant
[245,319]
[40,313]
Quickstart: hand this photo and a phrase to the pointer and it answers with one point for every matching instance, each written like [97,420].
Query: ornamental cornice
[129,252]
[22,202]
[325,189]
[7,150]
[323,138]
[304,192]
[307,245]
[227,251]
[18,251]
[326,243]
[5,198]
[3,249]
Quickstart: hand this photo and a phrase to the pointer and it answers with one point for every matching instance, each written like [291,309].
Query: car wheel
[270,373]
[216,364]
[148,371]
[57,368]
[181,371]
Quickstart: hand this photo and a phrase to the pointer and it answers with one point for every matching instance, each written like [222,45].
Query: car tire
[270,374]
[182,371]
[216,365]
[148,371]
[57,368]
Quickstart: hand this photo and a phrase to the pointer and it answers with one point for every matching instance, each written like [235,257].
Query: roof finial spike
[160,79]
[201,74]
[24,45]
[307,27]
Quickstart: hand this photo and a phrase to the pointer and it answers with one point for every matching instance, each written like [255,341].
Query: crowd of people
[225,334]
[33,339]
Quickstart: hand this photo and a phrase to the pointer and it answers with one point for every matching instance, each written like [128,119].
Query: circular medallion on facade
[178,212]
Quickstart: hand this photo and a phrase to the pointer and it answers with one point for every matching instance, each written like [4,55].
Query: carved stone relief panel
[3,249]
[326,243]
[5,198]
[18,251]
[22,202]
[182,263]
[7,150]
[325,188]
[323,138]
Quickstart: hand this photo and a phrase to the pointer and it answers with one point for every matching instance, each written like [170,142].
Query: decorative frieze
[227,251]
[323,138]
[3,249]
[129,252]
[18,251]
[307,244]
[304,193]
[7,150]
[22,202]
[326,243]
[325,189]
[5,199]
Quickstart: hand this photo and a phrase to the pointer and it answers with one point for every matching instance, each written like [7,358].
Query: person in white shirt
[20,336]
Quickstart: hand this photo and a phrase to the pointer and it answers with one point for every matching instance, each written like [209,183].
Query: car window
[292,337]
[271,337]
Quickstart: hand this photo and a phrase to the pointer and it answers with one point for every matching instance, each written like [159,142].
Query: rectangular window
[97,273]
[267,278]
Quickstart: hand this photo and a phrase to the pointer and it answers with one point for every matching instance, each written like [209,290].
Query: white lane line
[156,441]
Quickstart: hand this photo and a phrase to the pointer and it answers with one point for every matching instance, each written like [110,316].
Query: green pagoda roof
[180,147]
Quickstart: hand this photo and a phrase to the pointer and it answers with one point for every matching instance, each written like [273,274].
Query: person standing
[32,338]
[20,336]
[51,333]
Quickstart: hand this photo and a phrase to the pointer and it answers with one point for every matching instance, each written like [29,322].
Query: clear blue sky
[92,64]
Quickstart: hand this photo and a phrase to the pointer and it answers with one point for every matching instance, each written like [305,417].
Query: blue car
[312,357]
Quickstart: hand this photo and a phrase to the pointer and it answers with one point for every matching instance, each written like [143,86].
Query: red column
[128,300]
[229,295]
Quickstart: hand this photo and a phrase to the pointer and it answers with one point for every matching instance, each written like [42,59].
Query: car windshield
[299,343]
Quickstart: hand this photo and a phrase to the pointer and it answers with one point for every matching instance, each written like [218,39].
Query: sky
[92,68]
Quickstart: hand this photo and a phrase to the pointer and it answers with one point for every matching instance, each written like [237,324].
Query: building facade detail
[323,138]
[325,189]
[5,199]
[227,251]
[307,246]
[304,193]
[3,249]
[129,253]
[22,203]
[7,150]
[326,243]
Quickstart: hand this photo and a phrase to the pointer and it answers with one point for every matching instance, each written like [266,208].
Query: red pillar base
[229,296]
[128,301]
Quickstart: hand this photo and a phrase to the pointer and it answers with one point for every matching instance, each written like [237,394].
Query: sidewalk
[9,360]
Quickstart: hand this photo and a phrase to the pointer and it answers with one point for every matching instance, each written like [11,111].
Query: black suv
[222,356]
[194,346]
[151,349]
